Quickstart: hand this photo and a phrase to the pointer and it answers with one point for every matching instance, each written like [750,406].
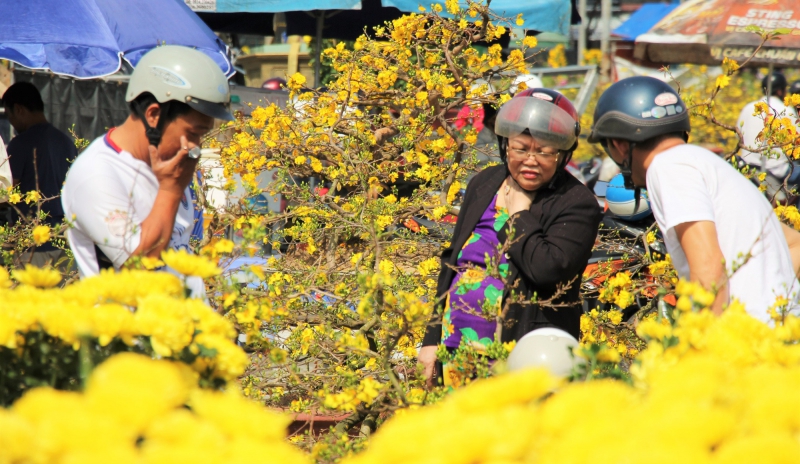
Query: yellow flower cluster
[350,398]
[715,390]
[136,410]
[618,290]
[604,328]
[128,305]
[189,264]
[788,214]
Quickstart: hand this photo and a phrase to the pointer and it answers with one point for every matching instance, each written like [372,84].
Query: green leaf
[503,269]
[752,28]
[493,295]
[782,31]
[485,341]
[206,352]
[469,334]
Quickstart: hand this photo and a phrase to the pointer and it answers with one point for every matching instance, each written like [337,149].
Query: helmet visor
[543,120]
[215,110]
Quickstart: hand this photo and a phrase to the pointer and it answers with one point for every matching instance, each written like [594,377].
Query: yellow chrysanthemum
[190,265]
[38,277]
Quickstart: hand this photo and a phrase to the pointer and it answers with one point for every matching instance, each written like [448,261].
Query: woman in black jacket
[547,219]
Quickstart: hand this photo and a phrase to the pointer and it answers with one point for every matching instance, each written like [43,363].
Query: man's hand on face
[174,173]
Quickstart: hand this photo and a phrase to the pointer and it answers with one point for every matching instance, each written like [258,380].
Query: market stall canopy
[647,16]
[539,15]
[90,38]
[239,23]
[706,31]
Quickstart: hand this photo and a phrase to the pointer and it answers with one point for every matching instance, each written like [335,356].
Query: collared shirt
[107,195]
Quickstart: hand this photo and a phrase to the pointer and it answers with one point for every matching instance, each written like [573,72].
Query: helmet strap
[153,133]
[627,175]
[627,168]
[627,172]
[502,147]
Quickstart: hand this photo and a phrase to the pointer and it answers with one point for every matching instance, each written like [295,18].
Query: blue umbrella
[89,38]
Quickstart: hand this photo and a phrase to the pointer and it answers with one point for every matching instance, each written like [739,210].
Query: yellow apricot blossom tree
[372,167]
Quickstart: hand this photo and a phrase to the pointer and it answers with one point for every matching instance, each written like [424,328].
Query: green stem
[85,358]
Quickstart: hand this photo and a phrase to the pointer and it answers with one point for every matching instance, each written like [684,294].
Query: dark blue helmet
[794,88]
[637,109]
[778,84]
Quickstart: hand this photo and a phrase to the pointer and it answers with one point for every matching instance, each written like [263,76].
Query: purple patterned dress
[473,289]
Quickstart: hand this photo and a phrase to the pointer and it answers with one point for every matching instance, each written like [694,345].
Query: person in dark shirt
[39,157]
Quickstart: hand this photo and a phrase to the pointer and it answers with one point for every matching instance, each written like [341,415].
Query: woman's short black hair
[25,94]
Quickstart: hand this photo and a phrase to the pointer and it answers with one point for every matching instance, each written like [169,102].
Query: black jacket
[555,240]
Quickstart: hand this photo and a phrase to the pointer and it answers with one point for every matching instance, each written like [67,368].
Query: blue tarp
[539,15]
[89,38]
[271,6]
[643,19]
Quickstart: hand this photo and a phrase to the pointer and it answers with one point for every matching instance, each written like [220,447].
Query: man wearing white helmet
[128,194]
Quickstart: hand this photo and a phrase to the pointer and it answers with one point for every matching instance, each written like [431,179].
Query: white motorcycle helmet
[182,74]
[548,347]
[530,81]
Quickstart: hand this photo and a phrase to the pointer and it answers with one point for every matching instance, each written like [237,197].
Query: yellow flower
[5,281]
[136,389]
[520,21]
[316,165]
[41,234]
[32,197]
[386,266]
[38,277]
[151,263]
[296,82]
[190,265]
[14,198]
[223,246]
[530,41]
[722,81]
[615,317]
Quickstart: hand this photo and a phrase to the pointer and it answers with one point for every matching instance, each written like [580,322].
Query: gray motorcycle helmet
[180,74]
[548,347]
[183,74]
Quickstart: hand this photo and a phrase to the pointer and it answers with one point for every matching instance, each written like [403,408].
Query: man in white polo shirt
[719,229]
[128,194]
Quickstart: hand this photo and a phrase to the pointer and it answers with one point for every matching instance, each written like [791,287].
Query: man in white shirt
[754,152]
[5,170]
[128,192]
[719,229]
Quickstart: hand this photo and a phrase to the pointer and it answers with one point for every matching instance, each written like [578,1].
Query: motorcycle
[587,172]
[622,246]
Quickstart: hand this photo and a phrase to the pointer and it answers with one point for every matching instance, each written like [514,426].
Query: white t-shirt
[776,162]
[5,169]
[108,194]
[688,183]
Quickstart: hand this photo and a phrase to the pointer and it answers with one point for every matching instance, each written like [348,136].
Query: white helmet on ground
[548,347]
[183,74]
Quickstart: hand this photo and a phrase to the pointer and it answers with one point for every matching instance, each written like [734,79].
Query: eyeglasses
[539,155]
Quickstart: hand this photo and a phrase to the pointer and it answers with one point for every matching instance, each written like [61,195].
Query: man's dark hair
[25,94]
[169,110]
